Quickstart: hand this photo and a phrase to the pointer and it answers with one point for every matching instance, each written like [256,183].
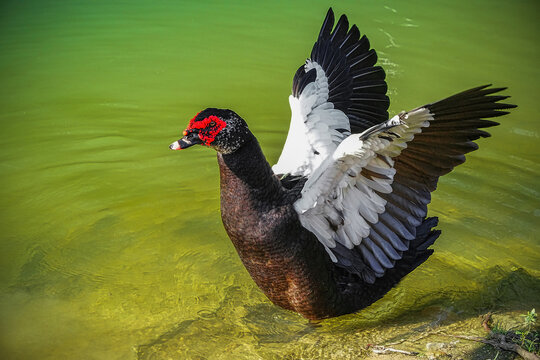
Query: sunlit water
[112,246]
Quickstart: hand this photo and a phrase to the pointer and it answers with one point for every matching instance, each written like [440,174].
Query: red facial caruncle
[207,128]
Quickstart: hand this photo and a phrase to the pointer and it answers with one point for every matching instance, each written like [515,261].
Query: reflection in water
[112,246]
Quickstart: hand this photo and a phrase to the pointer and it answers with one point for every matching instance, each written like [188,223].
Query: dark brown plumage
[297,233]
[286,261]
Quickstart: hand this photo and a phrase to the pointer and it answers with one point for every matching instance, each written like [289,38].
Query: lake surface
[112,245]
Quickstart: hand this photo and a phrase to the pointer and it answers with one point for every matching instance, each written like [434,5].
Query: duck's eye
[212,123]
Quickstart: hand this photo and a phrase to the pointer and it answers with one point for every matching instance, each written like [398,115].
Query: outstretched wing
[366,201]
[336,92]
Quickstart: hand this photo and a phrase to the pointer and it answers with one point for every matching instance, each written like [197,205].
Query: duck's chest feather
[285,261]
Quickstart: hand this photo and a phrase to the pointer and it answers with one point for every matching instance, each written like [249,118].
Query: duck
[341,217]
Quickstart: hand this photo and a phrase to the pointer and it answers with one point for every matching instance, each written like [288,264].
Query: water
[112,245]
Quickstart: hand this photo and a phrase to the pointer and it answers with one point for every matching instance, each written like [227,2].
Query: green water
[112,246]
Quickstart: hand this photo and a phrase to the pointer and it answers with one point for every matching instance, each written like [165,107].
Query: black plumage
[279,246]
[302,79]
[356,86]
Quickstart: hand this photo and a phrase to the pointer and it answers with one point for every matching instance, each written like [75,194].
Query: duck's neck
[246,171]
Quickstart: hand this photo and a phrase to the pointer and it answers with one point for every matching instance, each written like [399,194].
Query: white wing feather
[313,133]
[339,203]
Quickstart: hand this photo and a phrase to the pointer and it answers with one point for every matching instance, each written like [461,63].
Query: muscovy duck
[341,218]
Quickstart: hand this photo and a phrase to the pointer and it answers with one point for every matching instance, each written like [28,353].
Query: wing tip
[477,98]
[328,24]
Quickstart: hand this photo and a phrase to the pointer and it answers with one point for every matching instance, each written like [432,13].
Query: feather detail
[375,186]
[336,92]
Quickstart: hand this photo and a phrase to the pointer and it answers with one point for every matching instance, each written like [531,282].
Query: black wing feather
[302,79]
[356,86]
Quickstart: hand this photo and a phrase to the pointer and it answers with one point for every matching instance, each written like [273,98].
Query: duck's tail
[419,248]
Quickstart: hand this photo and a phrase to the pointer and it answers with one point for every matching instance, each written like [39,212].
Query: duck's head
[221,129]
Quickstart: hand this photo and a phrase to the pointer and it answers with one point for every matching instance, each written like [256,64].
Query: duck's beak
[185,142]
